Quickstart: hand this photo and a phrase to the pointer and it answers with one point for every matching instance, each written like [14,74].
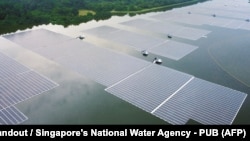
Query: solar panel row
[170,49]
[173,50]
[134,40]
[150,87]
[11,115]
[202,101]
[102,65]
[18,83]
[168,28]
[10,67]
[183,17]
[41,35]
[177,97]
[105,75]
[223,11]
[202,16]
[21,87]
[173,96]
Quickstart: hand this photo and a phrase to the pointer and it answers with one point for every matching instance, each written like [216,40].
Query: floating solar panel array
[102,31]
[6,44]
[223,11]
[168,28]
[220,22]
[10,67]
[137,41]
[18,83]
[139,21]
[202,101]
[230,23]
[40,36]
[102,65]
[235,24]
[177,97]
[222,15]
[191,33]
[168,94]
[186,17]
[173,50]
[24,86]
[198,19]
[11,115]
[170,49]
[150,87]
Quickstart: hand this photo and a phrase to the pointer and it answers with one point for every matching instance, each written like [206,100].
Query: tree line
[20,14]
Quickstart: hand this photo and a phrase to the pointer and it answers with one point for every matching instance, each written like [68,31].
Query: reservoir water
[222,58]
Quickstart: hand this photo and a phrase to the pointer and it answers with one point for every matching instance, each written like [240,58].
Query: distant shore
[12,24]
[160,8]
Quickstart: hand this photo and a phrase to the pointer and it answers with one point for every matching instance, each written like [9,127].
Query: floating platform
[18,83]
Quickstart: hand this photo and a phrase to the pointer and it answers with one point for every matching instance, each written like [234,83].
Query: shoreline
[11,29]
[160,8]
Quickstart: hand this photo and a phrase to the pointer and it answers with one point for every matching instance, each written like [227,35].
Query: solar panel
[5,101]
[231,13]
[176,30]
[184,17]
[177,97]
[19,115]
[11,115]
[2,103]
[18,83]
[6,44]
[137,41]
[204,102]
[102,31]
[10,67]
[40,36]
[102,65]
[222,22]
[173,50]
[165,28]
[150,87]
[168,15]
[235,24]
[7,115]
[136,22]
[68,48]
[153,26]
[191,33]
[202,15]
[2,121]
[5,118]
[21,87]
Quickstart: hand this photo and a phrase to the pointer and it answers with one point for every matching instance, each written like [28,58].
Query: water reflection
[79,100]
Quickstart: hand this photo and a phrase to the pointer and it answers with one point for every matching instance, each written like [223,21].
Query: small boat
[157,60]
[169,36]
[145,53]
[81,37]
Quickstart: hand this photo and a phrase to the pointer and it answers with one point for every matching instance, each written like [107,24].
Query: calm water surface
[222,58]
